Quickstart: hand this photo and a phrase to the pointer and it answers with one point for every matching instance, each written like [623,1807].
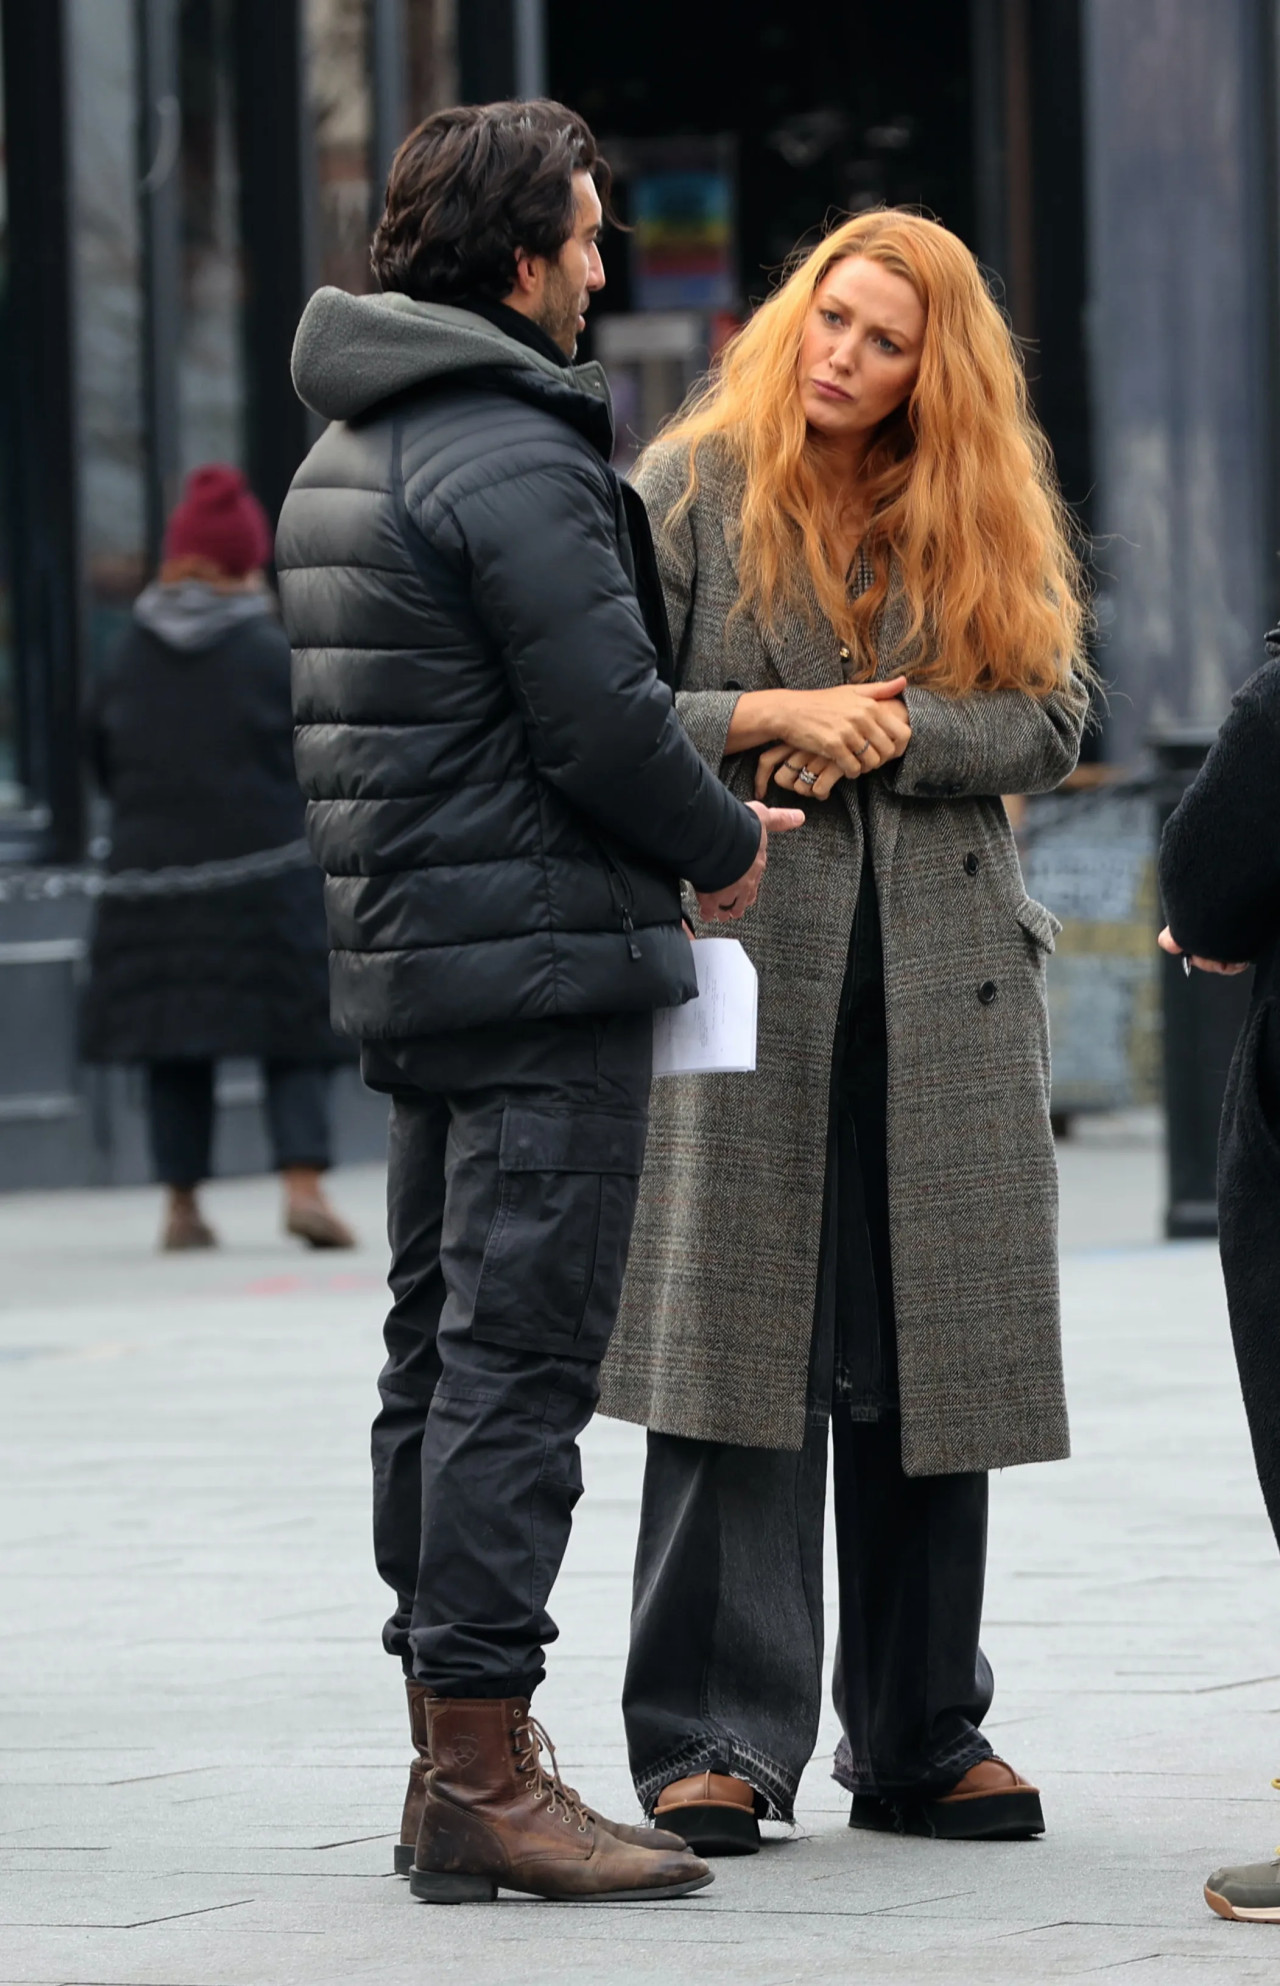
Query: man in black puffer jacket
[503,801]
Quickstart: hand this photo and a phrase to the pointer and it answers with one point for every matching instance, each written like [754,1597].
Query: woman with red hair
[877,609]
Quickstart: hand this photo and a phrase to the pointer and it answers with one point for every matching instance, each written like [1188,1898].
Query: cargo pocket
[551,1277]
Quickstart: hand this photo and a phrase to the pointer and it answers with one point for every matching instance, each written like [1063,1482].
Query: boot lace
[531,1740]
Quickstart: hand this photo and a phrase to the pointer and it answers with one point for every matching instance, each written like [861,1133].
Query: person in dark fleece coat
[504,802]
[1220,886]
[190,735]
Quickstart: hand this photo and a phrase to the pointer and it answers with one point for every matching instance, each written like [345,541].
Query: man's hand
[724,906]
[1168,943]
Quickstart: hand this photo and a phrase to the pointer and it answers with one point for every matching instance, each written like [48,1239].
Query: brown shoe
[712,1813]
[410,1819]
[319,1227]
[494,1817]
[185,1228]
[991,1803]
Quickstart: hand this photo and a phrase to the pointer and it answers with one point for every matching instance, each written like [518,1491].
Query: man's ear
[526,273]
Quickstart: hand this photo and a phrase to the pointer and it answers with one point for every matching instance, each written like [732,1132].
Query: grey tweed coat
[714,1333]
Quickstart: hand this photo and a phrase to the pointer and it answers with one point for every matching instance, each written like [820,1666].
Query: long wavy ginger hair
[965,517]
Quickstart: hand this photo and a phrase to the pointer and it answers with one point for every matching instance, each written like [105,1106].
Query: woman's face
[860,354]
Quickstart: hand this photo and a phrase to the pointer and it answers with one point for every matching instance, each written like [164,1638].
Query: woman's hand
[856,725]
[833,734]
[1168,943]
[784,764]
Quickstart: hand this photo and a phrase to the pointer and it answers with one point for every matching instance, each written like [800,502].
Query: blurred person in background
[877,610]
[190,737]
[1220,887]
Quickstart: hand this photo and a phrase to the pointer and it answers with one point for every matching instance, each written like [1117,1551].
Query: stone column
[1181,314]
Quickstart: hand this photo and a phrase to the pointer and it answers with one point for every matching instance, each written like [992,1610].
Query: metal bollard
[1203,1016]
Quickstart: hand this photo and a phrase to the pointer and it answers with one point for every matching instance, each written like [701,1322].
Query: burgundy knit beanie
[220,519]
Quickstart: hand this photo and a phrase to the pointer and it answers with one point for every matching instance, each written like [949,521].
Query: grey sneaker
[1250,1892]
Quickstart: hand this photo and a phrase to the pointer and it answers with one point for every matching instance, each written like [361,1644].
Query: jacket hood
[351,353]
[194,616]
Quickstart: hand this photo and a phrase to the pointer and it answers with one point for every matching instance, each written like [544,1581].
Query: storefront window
[341,108]
[107,258]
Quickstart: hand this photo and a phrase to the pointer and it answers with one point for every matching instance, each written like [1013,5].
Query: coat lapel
[804,654]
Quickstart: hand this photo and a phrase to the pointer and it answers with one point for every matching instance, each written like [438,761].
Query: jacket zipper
[623,899]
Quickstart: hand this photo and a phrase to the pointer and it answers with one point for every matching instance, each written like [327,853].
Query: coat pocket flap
[570,1141]
[1038,923]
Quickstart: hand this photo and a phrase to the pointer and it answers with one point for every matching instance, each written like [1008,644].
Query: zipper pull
[629,930]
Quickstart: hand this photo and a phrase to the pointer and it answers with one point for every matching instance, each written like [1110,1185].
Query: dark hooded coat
[190,735]
[1220,883]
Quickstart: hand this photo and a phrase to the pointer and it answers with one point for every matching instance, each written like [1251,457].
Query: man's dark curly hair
[473,185]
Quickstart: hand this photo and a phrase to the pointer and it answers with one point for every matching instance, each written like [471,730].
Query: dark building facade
[179,174]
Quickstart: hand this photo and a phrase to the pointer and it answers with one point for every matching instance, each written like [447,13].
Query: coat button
[971,864]
[987,992]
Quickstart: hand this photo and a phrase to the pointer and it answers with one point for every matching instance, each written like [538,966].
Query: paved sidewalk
[202,1748]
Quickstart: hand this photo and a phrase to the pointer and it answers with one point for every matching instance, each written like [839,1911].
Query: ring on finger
[808,778]
[793,768]
[861,749]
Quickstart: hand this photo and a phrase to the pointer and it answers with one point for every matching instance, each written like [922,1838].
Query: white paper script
[716,1033]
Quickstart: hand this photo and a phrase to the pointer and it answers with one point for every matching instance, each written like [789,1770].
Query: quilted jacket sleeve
[549,586]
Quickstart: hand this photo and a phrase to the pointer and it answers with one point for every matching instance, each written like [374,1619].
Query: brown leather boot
[712,1813]
[639,1837]
[991,1803]
[495,1817]
[419,1696]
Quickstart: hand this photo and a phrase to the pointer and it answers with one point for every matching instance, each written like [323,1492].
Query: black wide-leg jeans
[725,1668]
[515,1157]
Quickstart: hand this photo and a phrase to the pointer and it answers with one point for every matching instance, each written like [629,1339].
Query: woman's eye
[887,345]
[834,318]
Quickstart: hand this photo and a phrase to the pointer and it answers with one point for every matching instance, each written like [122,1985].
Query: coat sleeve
[1220,851]
[660,479]
[996,741]
[549,587]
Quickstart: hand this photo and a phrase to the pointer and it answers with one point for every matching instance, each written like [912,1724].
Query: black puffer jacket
[501,794]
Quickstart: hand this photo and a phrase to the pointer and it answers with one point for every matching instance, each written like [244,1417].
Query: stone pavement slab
[202,1749]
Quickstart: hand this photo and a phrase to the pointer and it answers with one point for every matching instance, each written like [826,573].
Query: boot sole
[429,1887]
[999,1817]
[1239,1912]
[713,1830]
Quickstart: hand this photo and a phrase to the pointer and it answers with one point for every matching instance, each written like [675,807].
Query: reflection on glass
[210,366]
[11,794]
[341,108]
[106,248]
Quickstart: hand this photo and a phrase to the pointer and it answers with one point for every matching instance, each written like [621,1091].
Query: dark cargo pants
[515,1158]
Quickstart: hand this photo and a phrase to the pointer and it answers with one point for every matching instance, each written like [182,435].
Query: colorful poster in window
[683,241]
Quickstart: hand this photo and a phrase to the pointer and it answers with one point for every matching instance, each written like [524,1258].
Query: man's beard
[561,309]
